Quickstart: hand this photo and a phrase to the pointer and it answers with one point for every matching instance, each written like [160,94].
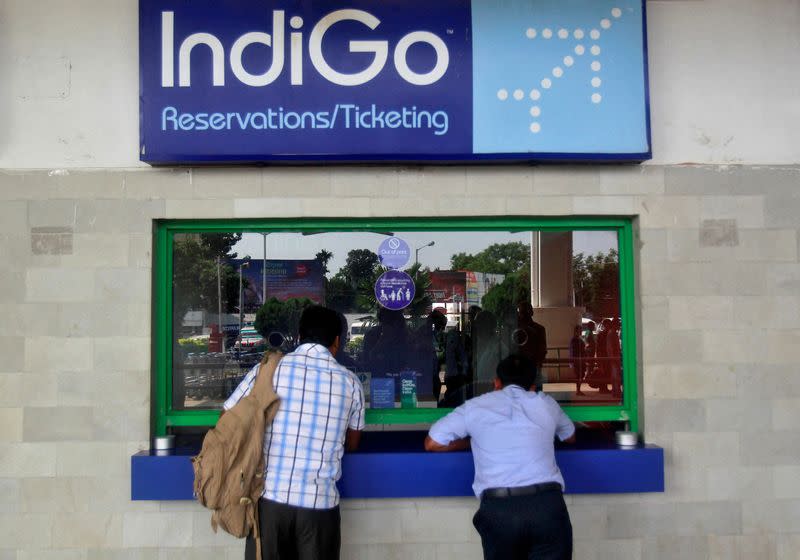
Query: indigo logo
[576,46]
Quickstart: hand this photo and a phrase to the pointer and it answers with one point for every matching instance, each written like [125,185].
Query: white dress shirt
[303,447]
[512,433]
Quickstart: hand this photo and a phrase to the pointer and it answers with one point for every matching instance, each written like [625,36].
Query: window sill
[394,465]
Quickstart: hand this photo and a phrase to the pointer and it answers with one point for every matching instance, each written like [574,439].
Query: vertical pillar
[552,293]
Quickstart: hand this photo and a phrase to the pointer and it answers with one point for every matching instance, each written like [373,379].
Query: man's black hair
[516,369]
[319,324]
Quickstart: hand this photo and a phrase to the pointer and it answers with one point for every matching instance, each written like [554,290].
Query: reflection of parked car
[360,327]
[250,341]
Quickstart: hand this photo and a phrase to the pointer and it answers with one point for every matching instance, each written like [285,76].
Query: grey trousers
[295,533]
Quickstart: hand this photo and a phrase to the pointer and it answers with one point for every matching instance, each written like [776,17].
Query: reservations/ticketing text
[342,115]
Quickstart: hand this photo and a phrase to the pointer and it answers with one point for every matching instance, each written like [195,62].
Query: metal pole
[264,271]
[240,310]
[219,305]
[416,252]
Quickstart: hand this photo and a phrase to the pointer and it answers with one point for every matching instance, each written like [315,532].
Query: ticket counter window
[426,315]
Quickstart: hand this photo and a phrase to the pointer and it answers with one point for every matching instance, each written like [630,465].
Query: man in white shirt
[320,415]
[511,431]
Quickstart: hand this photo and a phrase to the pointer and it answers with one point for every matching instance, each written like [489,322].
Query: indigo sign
[451,80]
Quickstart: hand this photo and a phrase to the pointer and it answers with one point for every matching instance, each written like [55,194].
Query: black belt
[520,490]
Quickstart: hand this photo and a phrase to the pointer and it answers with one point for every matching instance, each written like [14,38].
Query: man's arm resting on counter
[455,445]
[351,439]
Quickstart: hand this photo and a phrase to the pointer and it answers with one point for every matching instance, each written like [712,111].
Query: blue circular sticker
[394,252]
[394,290]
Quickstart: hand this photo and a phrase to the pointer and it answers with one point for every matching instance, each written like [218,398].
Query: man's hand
[455,445]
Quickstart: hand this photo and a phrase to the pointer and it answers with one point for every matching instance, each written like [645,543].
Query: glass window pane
[429,334]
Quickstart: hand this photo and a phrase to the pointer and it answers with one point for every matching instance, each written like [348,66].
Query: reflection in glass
[478,297]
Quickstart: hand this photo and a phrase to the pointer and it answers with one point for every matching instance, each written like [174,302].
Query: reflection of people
[485,350]
[602,355]
[576,354]
[385,349]
[522,512]
[425,355]
[530,337]
[299,509]
[613,352]
[456,370]
[591,343]
[342,356]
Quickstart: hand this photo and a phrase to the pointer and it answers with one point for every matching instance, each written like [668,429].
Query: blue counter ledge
[395,466]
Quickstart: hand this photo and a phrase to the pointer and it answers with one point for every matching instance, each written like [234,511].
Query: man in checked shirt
[320,415]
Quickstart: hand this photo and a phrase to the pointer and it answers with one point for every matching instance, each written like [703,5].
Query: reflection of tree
[352,289]
[355,280]
[324,257]
[196,261]
[596,281]
[422,285]
[282,317]
[339,295]
[194,273]
[499,258]
[513,259]
[502,299]
[361,264]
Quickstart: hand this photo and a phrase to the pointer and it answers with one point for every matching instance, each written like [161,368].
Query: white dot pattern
[568,61]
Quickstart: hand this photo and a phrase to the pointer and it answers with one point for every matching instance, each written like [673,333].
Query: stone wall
[719,299]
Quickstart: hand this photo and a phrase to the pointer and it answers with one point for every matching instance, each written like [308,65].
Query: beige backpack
[229,471]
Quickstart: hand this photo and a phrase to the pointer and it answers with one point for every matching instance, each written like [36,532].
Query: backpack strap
[263,390]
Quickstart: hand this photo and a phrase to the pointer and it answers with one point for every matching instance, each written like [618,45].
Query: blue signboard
[382,390]
[394,252]
[394,290]
[451,80]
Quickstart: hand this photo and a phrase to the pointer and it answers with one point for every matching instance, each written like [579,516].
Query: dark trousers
[528,527]
[295,533]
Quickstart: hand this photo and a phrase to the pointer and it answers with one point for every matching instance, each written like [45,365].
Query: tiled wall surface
[719,300]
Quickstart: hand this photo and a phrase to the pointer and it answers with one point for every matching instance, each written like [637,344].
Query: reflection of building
[456,290]
[461,286]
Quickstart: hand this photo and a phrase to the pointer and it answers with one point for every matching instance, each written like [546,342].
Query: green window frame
[165,417]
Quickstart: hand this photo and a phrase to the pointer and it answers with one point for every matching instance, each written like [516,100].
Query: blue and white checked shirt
[512,435]
[303,447]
